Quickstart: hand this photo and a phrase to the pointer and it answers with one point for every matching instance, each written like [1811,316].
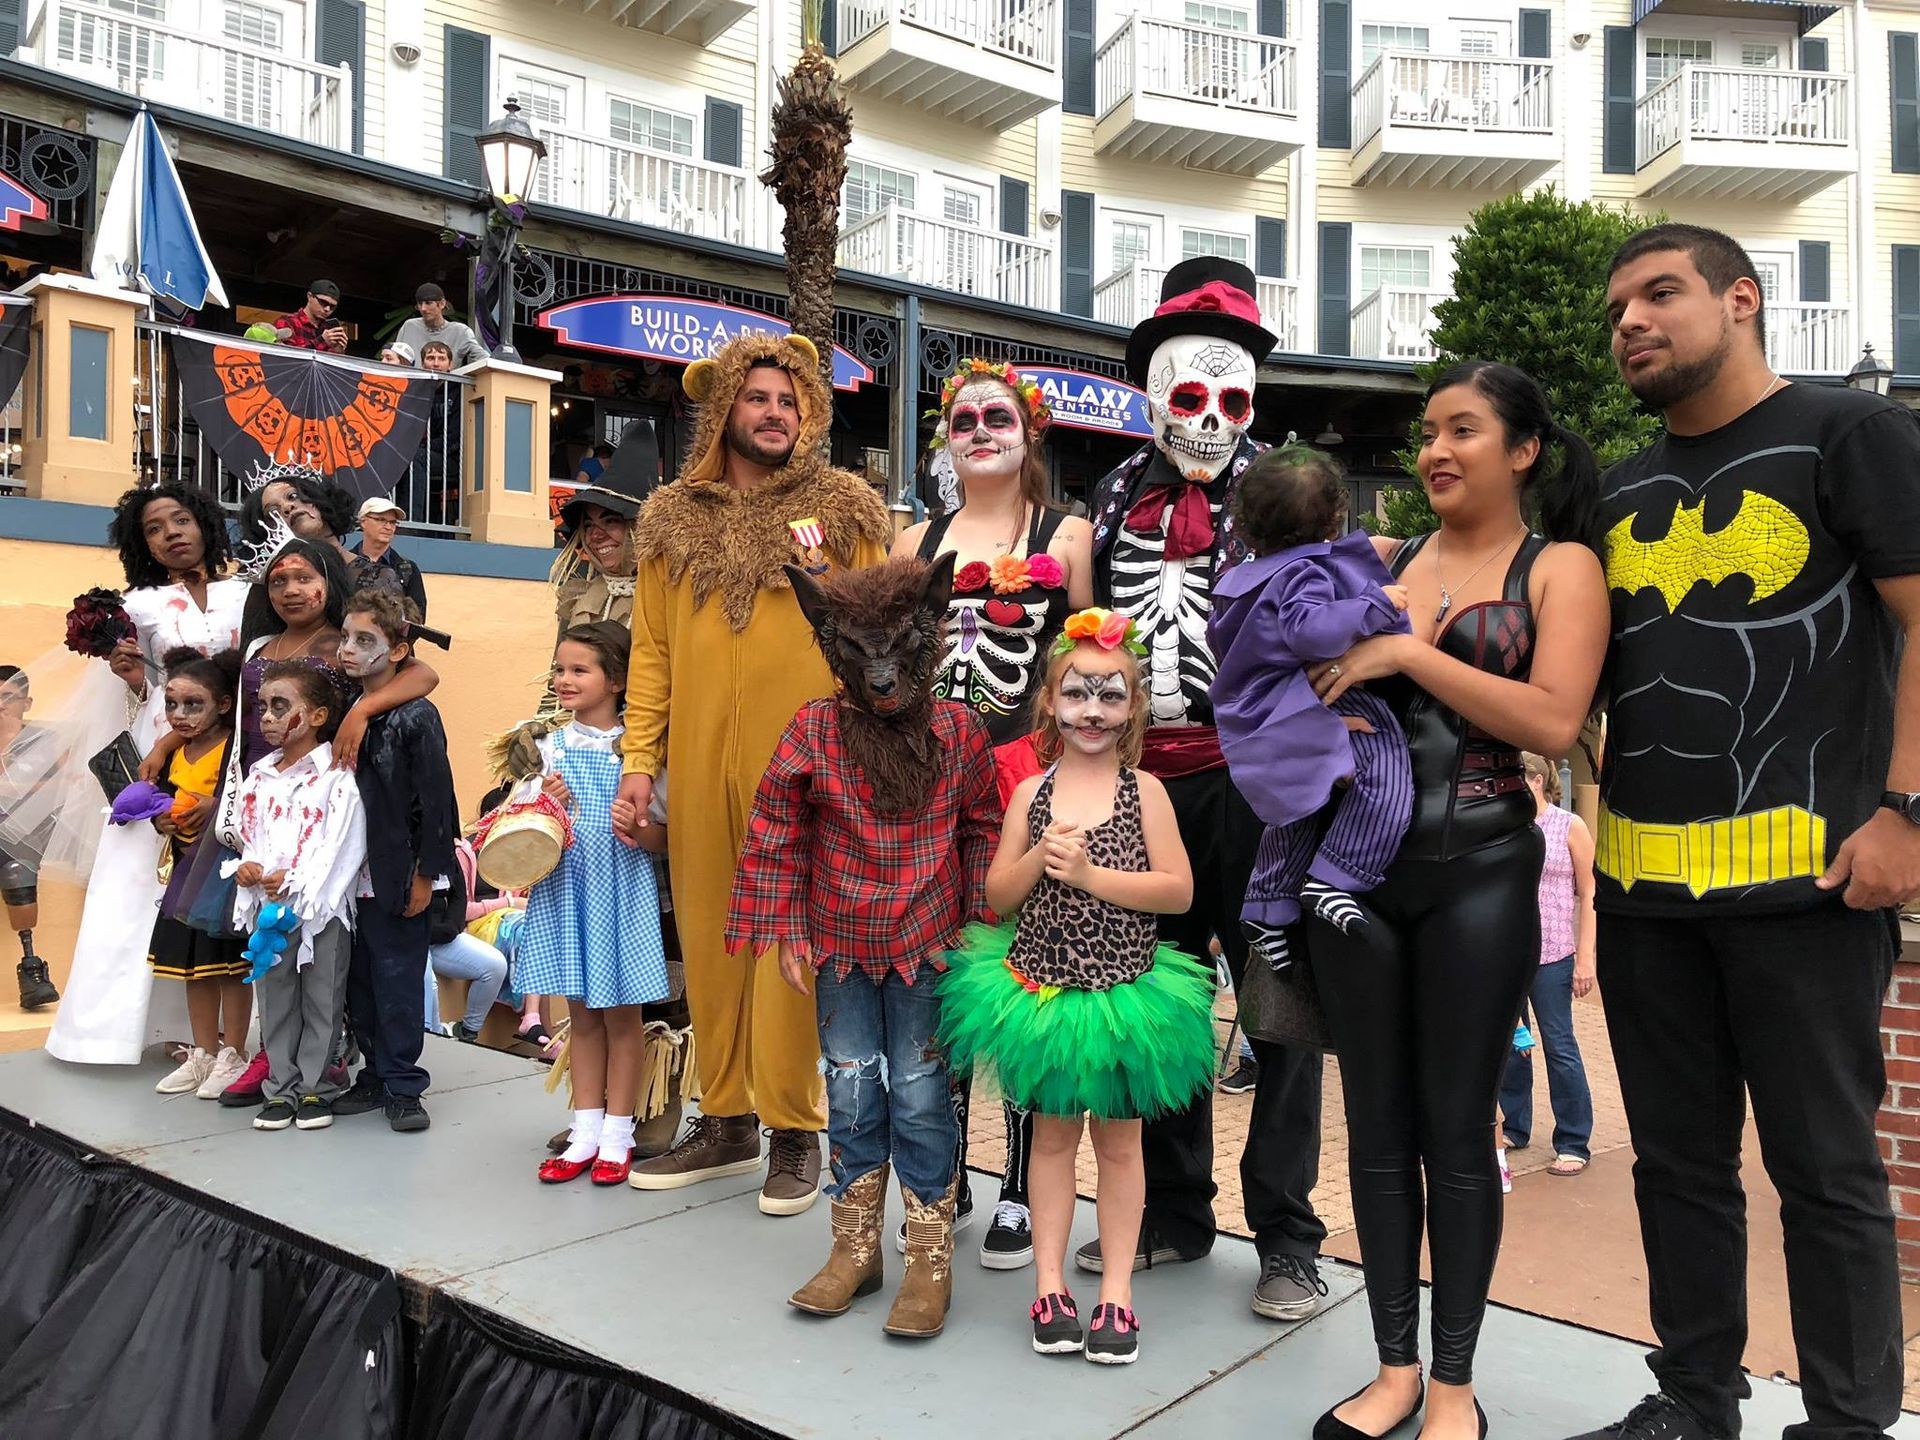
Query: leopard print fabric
[1065,936]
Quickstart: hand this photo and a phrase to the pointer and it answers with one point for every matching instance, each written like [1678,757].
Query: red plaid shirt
[308,333]
[820,868]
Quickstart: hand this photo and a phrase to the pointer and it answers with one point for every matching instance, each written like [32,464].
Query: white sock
[583,1140]
[1336,907]
[616,1138]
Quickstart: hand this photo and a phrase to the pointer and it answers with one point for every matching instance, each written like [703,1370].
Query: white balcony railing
[1809,339]
[209,74]
[949,256]
[1023,29]
[1128,296]
[1395,323]
[1195,63]
[1761,107]
[1280,312]
[1453,92]
[629,182]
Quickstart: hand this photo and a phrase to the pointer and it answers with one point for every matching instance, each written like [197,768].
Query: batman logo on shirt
[1765,541]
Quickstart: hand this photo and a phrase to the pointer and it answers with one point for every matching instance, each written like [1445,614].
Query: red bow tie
[1189,529]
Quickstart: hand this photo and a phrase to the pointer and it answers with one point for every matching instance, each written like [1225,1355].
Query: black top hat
[630,476]
[1231,313]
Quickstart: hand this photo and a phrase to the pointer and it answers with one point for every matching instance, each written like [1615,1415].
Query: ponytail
[1569,497]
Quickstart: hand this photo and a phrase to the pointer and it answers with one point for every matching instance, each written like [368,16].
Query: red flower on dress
[972,576]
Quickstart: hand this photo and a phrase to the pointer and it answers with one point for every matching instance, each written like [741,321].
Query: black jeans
[1421,1001]
[1785,1008]
[386,995]
[1281,1163]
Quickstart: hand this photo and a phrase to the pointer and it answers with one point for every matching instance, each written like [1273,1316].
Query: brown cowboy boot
[926,1290]
[854,1268]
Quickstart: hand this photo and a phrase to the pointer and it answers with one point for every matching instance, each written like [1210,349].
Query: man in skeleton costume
[1162,533]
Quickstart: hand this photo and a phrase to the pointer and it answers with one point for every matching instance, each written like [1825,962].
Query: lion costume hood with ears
[734,542]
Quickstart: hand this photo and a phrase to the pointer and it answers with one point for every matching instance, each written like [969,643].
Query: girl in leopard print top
[1072,1006]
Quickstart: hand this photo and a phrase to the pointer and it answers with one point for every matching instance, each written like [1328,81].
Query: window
[1218,243]
[1760,55]
[545,101]
[1219,17]
[1408,267]
[649,128]
[134,53]
[1481,37]
[871,188]
[1375,38]
[1665,57]
[1775,274]
[1132,245]
[961,205]
[248,82]
[253,24]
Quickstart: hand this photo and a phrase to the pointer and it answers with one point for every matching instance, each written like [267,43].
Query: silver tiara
[252,556]
[262,476]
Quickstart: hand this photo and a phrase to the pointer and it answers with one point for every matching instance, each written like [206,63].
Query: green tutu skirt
[1133,1052]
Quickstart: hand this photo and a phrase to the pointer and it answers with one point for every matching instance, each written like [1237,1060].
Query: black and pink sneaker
[1113,1337]
[1056,1325]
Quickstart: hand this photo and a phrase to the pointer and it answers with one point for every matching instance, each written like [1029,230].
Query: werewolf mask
[882,631]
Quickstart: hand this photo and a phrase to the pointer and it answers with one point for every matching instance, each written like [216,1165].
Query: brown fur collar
[899,756]
[733,542]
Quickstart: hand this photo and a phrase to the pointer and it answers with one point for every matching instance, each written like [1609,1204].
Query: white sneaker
[1506,1175]
[191,1075]
[228,1066]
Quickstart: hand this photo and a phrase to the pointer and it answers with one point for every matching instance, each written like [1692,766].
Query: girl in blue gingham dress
[592,932]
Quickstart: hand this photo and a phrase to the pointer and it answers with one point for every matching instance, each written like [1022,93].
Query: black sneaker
[1658,1417]
[365,1094]
[274,1115]
[962,1217]
[314,1113]
[1289,1287]
[1113,1336]
[1008,1243]
[405,1112]
[1149,1253]
[1056,1325]
[464,1033]
[1245,1076]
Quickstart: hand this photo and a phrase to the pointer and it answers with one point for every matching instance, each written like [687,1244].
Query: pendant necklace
[1446,594]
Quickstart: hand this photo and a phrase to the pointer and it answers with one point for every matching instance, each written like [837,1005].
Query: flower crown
[1039,412]
[1108,629]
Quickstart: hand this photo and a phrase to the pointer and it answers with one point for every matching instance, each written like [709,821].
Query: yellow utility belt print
[1787,842]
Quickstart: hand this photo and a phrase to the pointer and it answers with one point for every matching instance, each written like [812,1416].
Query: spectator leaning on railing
[437,463]
[312,326]
[432,324]
[373,562]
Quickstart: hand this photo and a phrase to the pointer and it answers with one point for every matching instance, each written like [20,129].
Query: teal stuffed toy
[272,928]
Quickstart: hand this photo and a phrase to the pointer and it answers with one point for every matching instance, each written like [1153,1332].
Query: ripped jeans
[887,1082]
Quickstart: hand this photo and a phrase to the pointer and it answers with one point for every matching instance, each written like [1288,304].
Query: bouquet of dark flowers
[98,622]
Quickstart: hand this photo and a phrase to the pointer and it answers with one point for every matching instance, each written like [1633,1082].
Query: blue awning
[1807,15]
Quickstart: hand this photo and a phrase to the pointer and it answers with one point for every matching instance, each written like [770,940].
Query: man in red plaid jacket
[867,852]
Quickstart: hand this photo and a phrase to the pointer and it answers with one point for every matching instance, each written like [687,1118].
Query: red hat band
[1216,297]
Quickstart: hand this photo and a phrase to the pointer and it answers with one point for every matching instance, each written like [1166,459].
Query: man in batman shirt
[1758,827]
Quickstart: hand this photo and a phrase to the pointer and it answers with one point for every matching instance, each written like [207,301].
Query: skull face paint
[1200,400]
[364,651]
[1091,707]
[191,708]
[986,432]
[283,713]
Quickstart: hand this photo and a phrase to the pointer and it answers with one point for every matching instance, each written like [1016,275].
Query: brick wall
[1899,1122]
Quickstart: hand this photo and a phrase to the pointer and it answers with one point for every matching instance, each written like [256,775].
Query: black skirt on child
[178,951]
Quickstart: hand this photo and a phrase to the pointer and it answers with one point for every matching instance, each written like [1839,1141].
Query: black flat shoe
[1476,1410]
[1331,1427]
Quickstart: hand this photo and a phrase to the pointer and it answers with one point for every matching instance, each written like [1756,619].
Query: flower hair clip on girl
[1108,629]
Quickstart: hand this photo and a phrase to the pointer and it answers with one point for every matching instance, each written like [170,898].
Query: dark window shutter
[1270,247]
[1813,53]
[1336,284]
[1906,309]
[1076,72]
[1816,272]
[723,132]
[11,19]
[1336,74]
[1536,34]
[1013,206]
[1618,147]
[467,91]
[1273,17]
[340,38]
[1076,252]
[1903,51]
[830,26]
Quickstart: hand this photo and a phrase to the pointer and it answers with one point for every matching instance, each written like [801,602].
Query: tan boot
[926,1290]
[656,1136]
[854,1268]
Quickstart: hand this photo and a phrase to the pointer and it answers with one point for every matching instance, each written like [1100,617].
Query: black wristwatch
[1902,804]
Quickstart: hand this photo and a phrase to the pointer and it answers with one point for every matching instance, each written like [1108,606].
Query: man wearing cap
[1163,532]
[432,324]
[593,578]
[312,326]
[375,564]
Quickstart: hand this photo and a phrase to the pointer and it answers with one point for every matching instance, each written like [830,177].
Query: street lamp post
[1871,373]
[510,156]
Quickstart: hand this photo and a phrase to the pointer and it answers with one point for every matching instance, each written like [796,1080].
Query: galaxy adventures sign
[671,327]
[1092,402]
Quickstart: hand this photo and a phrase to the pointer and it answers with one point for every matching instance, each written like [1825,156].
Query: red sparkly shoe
[607,1172]
[555,1171]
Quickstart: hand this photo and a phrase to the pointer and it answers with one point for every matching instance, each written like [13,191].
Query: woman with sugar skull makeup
[1022,565]
[1162,532]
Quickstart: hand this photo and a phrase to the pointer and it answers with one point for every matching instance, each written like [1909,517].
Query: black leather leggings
[1421,1002]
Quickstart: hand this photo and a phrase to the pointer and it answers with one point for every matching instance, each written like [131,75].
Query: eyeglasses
[324,302]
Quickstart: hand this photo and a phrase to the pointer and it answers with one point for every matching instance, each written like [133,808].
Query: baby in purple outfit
[1331,783]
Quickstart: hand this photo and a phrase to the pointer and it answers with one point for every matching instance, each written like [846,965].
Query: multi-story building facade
[1028,169]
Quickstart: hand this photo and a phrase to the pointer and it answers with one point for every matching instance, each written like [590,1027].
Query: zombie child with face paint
[1075,1008]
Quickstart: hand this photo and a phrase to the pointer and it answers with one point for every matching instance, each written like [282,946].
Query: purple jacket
[1272,618]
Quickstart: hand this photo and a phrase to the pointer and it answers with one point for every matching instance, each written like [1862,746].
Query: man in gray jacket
[432,324]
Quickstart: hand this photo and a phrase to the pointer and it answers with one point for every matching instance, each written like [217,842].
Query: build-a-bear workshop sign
[671,327]
[1092,402]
